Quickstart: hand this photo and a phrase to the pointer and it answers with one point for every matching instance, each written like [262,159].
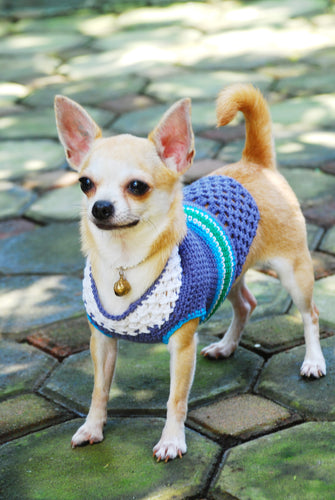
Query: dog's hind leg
[298,279]
[243,303]
[104,352]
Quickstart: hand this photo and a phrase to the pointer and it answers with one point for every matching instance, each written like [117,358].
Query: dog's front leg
[182,346]
[103,352]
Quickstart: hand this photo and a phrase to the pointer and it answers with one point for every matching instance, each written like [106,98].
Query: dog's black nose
[102,210]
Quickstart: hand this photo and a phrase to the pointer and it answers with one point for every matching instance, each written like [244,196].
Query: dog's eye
[86,184]
[138,188]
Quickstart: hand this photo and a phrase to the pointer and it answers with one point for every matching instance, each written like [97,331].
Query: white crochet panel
[153,310]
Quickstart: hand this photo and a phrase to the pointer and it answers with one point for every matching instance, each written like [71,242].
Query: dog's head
[128,181]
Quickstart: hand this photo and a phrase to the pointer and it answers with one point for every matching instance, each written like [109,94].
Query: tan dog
[133,221]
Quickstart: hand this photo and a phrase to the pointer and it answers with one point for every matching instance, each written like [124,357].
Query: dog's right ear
[76,130]
[173,137]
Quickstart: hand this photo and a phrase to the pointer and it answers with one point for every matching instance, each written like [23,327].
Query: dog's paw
[168,449]
[87,433]
[219,350]
[313,368]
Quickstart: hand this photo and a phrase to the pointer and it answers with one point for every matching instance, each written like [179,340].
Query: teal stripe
[197,314]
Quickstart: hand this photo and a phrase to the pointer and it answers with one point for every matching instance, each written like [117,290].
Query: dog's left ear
[173,137]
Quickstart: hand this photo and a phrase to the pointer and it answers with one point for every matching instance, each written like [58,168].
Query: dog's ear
[76,130]
[173,137]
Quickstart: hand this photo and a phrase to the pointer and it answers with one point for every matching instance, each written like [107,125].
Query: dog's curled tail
[259,146]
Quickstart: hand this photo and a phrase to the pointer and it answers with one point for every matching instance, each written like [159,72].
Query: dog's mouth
[107,226]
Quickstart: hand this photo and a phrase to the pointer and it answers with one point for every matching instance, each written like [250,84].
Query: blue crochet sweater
[222,220]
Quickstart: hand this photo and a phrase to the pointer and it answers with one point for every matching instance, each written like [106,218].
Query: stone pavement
[255,429]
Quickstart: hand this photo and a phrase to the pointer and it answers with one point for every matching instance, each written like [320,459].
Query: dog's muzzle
[102,210]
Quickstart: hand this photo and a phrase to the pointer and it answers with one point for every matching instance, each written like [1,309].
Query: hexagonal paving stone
[142,122]
[11,92]
[57,205]
[323,58]
[304,113]
[271,298]
[41,124]
[231,152]
[30,43]
[14,200]
[30,301]
[289,69]
[146,385]
[55,179]
[205,148]
[324,293]
[27,412]
[202,16]
[120,467]
[280,380]
[215,17]
[87,92]
[30,157]
[227,49]
[244,415]
[308,150]
[294,463]
[11,109]
[203,116]
[5,27]
[310,185]
[26,69]
[59,23]
[231,133]
[32,124]
[121,61]
[272,12]
[36,9]
[315,81]
[322,213]
[95,25]
[201,85]
[22,367]
[128,102]
[13,227]
[54,248]
[324,264]
[63,338]
[291,151]
[314,236]
[328,242]
[144,40]
[200,168]
[273,334]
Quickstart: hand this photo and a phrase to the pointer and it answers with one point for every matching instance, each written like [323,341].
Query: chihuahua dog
[160,258]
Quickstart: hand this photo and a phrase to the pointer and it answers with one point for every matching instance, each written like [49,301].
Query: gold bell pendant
[122,286]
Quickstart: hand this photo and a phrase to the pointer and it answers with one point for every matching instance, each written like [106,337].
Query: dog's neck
[142,256]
